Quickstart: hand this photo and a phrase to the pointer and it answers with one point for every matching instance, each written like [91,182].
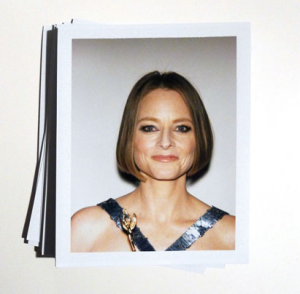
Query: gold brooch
[128,225]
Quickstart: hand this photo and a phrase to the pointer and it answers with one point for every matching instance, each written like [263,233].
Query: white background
[274,187]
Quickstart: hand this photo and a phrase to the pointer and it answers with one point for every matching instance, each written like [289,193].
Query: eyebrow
[147,118]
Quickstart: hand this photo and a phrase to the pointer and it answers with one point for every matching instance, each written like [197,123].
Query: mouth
[164,158]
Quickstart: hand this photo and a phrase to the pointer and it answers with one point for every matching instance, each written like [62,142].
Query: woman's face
[164,138]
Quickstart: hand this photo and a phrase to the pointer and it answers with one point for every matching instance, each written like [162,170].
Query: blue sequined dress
[191,235]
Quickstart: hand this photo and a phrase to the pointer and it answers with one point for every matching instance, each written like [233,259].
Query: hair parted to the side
[168,81]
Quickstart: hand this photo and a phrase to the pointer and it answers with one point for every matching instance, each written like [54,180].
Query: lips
[164,158]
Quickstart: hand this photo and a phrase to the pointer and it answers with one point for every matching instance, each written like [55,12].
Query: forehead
[161,102]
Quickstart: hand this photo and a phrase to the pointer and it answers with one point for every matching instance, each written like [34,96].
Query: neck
[162,201]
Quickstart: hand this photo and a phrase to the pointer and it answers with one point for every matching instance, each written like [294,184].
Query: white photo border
[66,34]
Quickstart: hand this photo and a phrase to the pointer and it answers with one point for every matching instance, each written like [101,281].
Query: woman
[165,136]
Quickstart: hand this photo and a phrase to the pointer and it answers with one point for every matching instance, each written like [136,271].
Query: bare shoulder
[87,225]
[221,236]
[224,231]
[87,217]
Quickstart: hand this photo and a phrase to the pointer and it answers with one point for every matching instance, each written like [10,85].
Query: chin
[164,176]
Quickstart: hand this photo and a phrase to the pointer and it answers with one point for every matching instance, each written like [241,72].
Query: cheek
[139,151]
[139,146]
[188,146]
[143,145]
[189,151]
[193,148]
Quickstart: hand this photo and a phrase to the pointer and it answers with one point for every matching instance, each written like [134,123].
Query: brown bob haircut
[168,81]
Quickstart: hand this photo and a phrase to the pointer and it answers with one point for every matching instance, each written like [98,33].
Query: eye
[148,129]
[183,129]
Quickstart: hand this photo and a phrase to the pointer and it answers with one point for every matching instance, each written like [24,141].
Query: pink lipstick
[164,158]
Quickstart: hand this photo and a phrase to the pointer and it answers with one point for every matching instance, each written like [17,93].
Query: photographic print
[160,68]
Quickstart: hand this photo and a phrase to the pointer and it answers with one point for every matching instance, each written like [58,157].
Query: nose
[165,140]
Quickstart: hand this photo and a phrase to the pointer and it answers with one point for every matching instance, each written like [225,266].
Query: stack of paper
[87,71]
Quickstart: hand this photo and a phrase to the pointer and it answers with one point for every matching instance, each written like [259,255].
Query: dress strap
[115,211]
[192,234]
[198,229]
